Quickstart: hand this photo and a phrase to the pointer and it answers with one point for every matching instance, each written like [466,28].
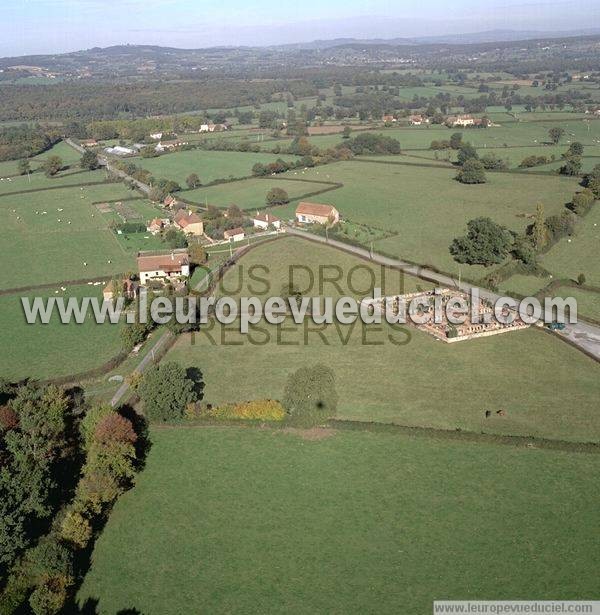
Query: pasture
[234,520]
[428,208]
[38,247]
[53,350]
[390,374]
[250,193]
[208,165]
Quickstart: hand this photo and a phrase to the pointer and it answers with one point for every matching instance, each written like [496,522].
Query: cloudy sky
[54,26]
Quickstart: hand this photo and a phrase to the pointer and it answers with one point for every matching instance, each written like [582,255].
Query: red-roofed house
[163,265]
[189,222]
[317,213]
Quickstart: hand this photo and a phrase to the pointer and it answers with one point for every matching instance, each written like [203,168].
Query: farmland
[263,521]
[384,373]
[58,243]
[208,165]
[428,208]
[33,350]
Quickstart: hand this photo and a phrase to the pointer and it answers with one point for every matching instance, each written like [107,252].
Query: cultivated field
[233,520]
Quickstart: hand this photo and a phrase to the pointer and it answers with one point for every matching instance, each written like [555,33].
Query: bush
[277,196]
[581,279]
[310,396]
[582,201]
[256,410]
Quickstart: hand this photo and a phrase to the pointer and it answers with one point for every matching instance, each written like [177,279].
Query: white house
[234,234]
[264,220]
[157,136]
[163,266]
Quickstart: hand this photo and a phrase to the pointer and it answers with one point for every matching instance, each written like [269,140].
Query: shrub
[472,172]
[581,279]
[310,396]
[76,529]
[583,201]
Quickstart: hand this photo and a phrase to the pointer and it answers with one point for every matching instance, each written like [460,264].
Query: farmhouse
[460,120]
[234,234]
[388,118]
[417,120]
[88,143]
[316,213]
[157,136]
[189,222]
[163,265]
[264,220]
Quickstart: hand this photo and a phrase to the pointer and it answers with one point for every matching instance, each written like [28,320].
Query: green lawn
[588,302]
[428,208]
[37,248]
[209,165]
[233,520]
[68,155]
[49,351]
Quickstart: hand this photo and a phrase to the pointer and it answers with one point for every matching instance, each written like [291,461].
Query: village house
[88,143]
[265,220]
[161,266]
[388,118]
[128,289]
[460,120]
[417,120]
[210,127]
[189,222]
[317,213]
[234,234]
[157,136]
[157,225]
[170,201]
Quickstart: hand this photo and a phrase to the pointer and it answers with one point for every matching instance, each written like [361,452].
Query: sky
[57,26]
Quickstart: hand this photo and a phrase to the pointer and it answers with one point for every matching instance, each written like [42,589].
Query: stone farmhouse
[189,222]
[234,234]
[163,266]
[316,213]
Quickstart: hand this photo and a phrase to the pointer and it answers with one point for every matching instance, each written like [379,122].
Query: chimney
[172,255]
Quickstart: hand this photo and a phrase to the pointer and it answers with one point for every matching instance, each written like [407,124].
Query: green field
[588,302]
[415,381]
[428,208]
[208,165]
[36,248]
[233,520]
[53,350]
[69,156]
[250,193]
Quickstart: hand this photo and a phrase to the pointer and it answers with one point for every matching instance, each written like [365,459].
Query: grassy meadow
[53,350]
[428,208]
[234,520]
[208,165]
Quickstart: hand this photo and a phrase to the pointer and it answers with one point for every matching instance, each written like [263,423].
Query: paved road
[582,334]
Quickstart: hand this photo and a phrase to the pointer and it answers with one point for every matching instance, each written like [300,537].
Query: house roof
[315,209]
[233,231]
[184,218]
[156,222]
[268,218]
[169,200]
[163,262]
